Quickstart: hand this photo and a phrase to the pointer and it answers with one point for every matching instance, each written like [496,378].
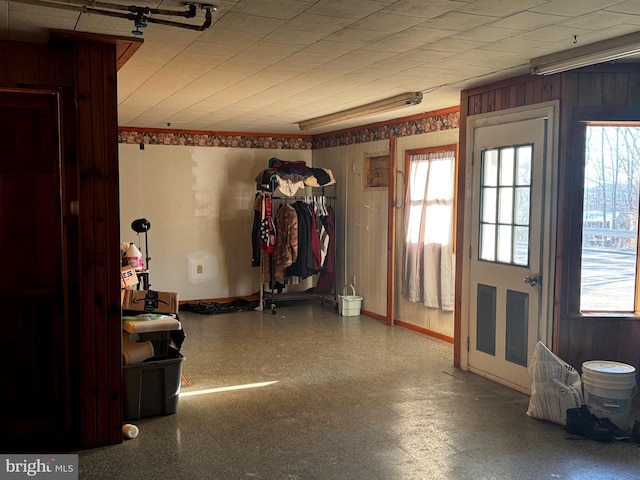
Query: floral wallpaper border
[402,127]
[206,139]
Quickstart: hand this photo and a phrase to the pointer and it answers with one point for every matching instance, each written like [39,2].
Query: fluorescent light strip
[388,104]
[225,389]
[591,54]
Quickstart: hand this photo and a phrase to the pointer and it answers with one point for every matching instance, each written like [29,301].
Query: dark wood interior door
[32,258]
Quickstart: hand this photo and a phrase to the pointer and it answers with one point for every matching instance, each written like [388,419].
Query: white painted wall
[361,226]
[361,222]
[199,201]
[428,318]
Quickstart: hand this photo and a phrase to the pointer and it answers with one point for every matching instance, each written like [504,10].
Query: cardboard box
[150,301]
[128,277]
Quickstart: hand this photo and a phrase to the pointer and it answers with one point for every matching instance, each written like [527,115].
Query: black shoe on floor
[635,431]
[617,432]
[581,422]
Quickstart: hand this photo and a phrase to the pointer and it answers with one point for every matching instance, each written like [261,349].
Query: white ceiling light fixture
[591,54]
[386,105]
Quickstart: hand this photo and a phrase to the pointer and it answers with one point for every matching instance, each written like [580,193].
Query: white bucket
[349,305]
[609,388]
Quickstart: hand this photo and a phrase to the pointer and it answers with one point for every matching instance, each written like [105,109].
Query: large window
[428,276]
[609,276]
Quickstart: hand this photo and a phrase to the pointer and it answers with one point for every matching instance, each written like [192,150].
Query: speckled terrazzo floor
[351,399]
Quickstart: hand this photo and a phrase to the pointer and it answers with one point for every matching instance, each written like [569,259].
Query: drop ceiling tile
[131,78]
[346,9]
[573,8]
[393,46]
[283,91]
[356,35]
[501,62]
[282,9]
[256,59]
[500,8]
[419,8]
[155,52]
[366,56]
[420,34]
[423,55]
[486,34]
[313,78]
[630,6]
[189,57]
[457,21]
[24,8]
[290,68]
[293,37]
[314,58]
[24,23]
[387,23]
[336,48]
[451,45]
[240,22]
[509,45]
[601,20]
[100,23]
[551,34]
[525,21]
[336,68]
[230,37]
[595,36]
[393,65]
[318,23]
[238,67]
[217,49]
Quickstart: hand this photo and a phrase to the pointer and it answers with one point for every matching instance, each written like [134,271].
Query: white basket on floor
[349,305]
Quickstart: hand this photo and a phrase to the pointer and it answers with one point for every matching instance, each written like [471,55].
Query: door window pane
[490,168]
[506,166]
[505,209]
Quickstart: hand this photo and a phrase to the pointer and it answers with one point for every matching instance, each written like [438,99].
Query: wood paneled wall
[99,238]
[608,92]
[600,93]
[83,73]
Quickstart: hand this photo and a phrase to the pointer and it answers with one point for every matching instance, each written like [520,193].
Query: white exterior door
[509,264]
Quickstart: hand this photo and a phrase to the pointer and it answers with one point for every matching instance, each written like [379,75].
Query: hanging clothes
[286,248]
[303,267]
[267,226]
[327,277]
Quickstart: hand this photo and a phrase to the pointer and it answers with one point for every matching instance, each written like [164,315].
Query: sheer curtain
[428,273]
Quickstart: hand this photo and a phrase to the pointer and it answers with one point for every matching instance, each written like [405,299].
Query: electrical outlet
[198,268]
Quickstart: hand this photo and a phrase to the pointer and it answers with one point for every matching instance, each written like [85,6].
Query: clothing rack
[269,299]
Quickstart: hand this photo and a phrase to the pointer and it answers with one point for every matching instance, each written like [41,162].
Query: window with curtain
[428,263]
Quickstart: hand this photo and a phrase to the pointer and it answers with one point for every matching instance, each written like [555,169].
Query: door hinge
[468,344]
[469,252]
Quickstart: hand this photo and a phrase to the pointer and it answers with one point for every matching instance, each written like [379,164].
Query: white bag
[555,386]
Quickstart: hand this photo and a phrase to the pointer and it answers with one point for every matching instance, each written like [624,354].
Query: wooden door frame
[550,110]
[393,203]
